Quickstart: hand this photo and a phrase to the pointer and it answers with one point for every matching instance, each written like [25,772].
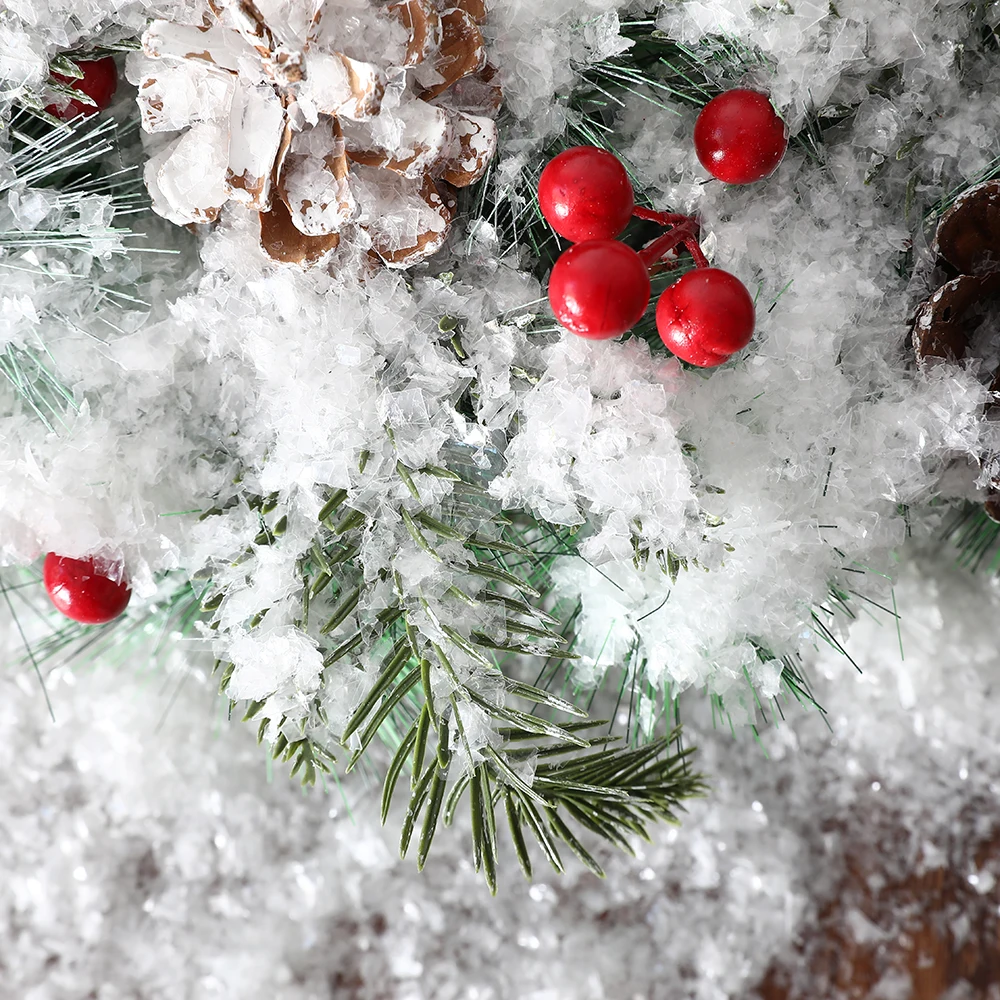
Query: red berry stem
[694,248]
[685,228]
[662,218]
[653,253]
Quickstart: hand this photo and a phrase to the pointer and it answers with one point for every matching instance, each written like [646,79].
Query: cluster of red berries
[599,288]
[99,82]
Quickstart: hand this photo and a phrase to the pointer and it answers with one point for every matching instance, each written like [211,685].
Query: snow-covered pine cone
[327,120]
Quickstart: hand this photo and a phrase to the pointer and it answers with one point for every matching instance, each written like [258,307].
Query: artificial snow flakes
[187,180]
[702,517]
[275,113]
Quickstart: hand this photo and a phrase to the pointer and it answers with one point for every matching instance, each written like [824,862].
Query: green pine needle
[71,163]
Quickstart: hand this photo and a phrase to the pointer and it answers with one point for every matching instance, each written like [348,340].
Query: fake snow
[146,850]
[772,477]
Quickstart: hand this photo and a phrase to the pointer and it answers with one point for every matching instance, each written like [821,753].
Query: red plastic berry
[599,289]
[82,592]
[739,137]
[585,194]
[705,317]
[99,82]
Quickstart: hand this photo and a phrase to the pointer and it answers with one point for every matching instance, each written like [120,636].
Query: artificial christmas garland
[413,513]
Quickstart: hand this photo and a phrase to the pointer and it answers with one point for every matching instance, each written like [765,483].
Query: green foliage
[427,700]
[552,767]
[75,159]
[975,537]
[73,163]
[30,371]
[146,637]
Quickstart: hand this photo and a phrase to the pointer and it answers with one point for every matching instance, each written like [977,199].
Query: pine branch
[975,537]
[146,634]
[30,372]
[473,643]
[72,158]
[73,164]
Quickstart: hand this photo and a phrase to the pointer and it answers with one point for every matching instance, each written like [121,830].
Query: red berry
[585,194]
[705,317]
[83,592]
[99,82]
[739,137]
[599,289]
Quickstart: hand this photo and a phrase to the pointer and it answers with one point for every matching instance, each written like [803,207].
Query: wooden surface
[905,921]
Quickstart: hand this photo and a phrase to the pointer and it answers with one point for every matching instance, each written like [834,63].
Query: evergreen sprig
[72,164]
[975,537]
[71,160]
[542,763]
[31,373]
[146,634]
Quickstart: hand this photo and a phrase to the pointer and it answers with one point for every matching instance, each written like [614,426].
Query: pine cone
[278,117]
[967,242]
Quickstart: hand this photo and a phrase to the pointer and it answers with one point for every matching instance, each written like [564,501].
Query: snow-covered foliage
[771,478]
[145,850]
